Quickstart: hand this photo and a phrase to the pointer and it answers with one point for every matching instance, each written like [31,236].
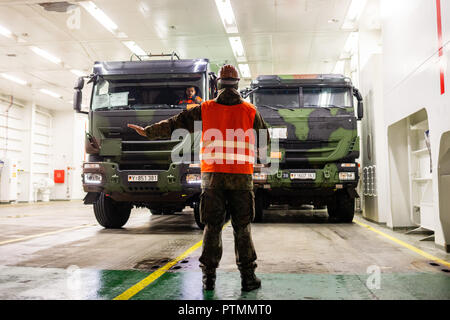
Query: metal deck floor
[57,251]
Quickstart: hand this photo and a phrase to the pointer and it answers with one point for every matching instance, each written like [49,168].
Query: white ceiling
[279,36]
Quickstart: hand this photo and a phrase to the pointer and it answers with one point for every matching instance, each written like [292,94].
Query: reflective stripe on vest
[228,138]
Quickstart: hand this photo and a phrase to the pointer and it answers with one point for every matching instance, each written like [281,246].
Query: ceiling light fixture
[99,15]
[238,48]
[352,42]
[227,15]
[134,48]
[14,79]
[245,70]
[340,67]
[44,54]
[78,73]
[51,93]
[354,13]
[5,32]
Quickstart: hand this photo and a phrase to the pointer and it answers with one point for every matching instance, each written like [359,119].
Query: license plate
[143,178]
[303,176]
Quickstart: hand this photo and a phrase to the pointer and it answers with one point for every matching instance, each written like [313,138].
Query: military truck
[313,116]
[124,169]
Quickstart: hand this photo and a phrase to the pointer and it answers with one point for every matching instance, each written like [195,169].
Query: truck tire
[342,208]
[196,206]
[259,208]
[111,214]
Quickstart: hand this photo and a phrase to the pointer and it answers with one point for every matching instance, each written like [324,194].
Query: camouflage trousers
[240,205]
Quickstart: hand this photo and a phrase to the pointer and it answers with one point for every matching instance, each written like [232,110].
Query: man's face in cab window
[190,92]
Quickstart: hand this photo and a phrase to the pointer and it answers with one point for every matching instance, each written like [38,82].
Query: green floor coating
[187,285]
[54,283]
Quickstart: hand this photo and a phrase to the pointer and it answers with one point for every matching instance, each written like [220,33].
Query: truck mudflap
[91,197]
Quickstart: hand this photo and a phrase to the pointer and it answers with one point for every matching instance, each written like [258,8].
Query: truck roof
[152,66]
[301,80]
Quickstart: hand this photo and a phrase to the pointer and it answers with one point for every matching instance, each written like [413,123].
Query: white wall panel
[411,68]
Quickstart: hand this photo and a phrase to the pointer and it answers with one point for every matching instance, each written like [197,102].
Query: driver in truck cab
[190,97]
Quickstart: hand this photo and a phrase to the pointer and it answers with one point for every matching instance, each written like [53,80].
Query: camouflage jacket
[186,119]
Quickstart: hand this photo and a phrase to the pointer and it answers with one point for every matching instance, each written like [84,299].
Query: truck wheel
[111,214]
[156,212]
[197,215]
[341,208]
[259,207]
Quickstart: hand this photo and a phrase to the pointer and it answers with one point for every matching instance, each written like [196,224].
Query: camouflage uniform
[221,192]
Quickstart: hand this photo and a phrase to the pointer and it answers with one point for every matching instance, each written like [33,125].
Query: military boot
[250,281]
[209,280]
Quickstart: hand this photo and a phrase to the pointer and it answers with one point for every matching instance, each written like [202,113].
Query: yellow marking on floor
[129,293]
[404,244]
[45,234]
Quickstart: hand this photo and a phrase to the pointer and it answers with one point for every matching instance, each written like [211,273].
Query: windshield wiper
[114,108]
[275,108]
[268,107]
[329,106]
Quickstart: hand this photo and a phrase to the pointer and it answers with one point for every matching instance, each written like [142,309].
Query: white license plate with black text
[143,178]
[303,176]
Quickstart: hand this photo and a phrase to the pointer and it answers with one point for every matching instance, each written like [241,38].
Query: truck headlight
[194,178]
[348,165]
[275,155]
[92,178]
[194,165]
[345,176]
[257,176]
[91,166]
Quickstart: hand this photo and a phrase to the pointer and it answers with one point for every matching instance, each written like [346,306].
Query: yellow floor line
[129,293]
[45,234]
[404,244]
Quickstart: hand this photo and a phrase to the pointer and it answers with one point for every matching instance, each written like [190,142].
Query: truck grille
[300,151]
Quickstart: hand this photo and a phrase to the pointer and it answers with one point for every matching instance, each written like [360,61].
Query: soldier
[227,181]
[191,97]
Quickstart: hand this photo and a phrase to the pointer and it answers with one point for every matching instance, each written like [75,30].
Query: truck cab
[126,170]
[313,119]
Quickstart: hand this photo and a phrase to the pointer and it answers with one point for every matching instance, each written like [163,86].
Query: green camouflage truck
[126,170]
[313,116]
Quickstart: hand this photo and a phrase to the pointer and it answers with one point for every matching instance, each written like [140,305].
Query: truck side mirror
[359,97]
[78,95]
[360,110]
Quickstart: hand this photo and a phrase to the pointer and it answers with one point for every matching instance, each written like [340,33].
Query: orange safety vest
[228,138]
[194,99]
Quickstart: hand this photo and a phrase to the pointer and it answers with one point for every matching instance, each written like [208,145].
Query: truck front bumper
[133,185]
[331,176]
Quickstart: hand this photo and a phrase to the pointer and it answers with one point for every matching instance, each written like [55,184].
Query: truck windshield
[113,94]
[308,97]
[327,97]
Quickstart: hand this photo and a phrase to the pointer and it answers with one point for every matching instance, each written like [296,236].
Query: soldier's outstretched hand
[138,129]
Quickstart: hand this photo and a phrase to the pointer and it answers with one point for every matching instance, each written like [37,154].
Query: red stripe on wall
[441,50]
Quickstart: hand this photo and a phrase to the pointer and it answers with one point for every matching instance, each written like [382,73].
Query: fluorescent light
[245,70]
[5,32]
[51,93]
[99,15]
[46,55]
[227,15]
[354,13]
[14,79]
[134,48]
[78,72]
[352,42]
[339,68]
[238,48]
